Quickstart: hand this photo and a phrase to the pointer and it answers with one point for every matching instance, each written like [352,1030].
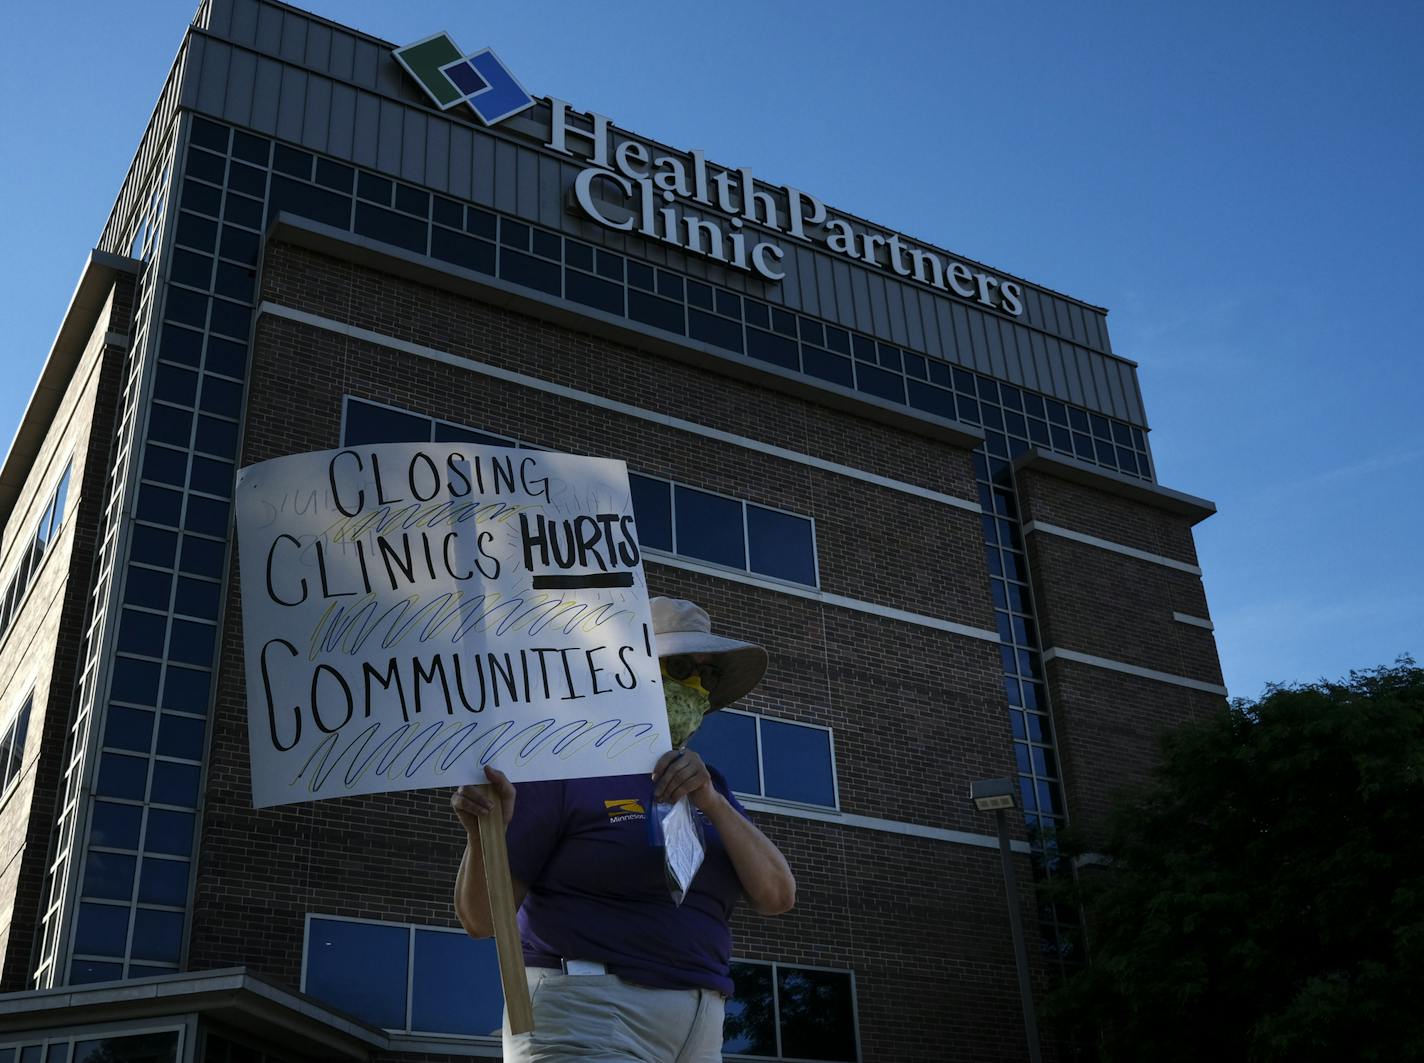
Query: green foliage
[1265,899]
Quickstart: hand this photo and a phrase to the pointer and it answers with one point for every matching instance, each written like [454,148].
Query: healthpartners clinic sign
[681,200]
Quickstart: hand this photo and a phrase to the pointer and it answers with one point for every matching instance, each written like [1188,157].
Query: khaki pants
[603,1019]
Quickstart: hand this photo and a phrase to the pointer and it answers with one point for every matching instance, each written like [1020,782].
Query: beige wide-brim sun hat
[680,627]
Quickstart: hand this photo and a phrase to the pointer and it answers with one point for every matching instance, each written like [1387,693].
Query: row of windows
[770,758]
[45,534]
[12,747]
[476,239]
[157,1047]
[139,851]
[673,517]
[434,980]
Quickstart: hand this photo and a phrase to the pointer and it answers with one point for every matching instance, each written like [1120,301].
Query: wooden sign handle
[500,887]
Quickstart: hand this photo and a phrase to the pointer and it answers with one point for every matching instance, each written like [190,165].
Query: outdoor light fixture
[991,794]
[995,795]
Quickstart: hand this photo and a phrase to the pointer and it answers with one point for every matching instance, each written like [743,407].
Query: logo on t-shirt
[623,808]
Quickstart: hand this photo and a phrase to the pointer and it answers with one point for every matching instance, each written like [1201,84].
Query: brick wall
[1108,604]
[1119,520]
[1109,725]
[42,647]
[916,712]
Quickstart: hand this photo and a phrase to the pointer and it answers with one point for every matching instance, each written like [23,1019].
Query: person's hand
[681,773]
[470,803]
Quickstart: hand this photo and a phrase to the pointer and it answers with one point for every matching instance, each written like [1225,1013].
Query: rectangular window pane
[137,1048]
[817,1014]
[453,433]
[797,763]
[652,510]
[457,988]
[367,423]
[781,545]
[360,968]
[710,527]
[727,741]
[749,1028]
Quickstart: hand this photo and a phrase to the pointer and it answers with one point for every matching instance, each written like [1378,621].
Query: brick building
[923,484]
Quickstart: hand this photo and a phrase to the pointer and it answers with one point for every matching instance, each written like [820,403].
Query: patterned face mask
[687,702]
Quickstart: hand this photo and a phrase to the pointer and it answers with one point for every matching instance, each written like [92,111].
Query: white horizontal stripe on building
[509,376]
[1107,544]
[1058,653]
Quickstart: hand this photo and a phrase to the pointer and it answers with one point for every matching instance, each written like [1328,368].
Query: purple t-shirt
[598,891]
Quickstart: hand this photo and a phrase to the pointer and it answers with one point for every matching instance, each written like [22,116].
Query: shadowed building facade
[923,484]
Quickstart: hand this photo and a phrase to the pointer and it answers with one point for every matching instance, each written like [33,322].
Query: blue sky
[1237,183]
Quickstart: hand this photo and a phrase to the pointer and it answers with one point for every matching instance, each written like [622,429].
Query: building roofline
[614,126]
[1115,483]
[231,994]
[96,280]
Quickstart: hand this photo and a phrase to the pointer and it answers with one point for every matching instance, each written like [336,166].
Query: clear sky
[1240,184]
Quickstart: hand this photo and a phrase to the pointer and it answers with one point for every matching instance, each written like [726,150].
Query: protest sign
[413,612]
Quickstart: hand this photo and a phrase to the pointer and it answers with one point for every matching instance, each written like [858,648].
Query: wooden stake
[500,887]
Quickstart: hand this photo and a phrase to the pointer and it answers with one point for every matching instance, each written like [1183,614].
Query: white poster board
[413,612]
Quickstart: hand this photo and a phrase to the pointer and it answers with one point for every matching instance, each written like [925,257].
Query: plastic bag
[677,829]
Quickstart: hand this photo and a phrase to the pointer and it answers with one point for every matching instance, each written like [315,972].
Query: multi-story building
[924,484]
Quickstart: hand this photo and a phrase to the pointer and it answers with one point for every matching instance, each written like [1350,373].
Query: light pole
[996,795]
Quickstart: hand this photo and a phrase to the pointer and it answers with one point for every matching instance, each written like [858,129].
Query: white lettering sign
[684,202]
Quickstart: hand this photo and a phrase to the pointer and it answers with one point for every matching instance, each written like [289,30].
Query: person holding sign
[627,960]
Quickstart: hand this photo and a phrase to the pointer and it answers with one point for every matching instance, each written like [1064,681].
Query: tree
[1264,898]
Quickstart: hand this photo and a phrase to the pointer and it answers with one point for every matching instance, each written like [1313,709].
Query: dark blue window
[137,1048]
[749,1026]
[128,728]
[803,1012]
[109,875]
[360,968]
[390,227]
[121,776]
[192,643]
[175,784]
[456,987]
[709,527]
[158,505]
[781,545]
[367,423]
[115,826]
[163,881]
[142,633]
[135,681]
[817,1010]
[202,557]
[453,433]
[211,476]
[796,762]
[727,741]
[652,510]
[157,935]
[169,832]
[186,689]
[180,736]
[196,597]
[82,972]
[102,930]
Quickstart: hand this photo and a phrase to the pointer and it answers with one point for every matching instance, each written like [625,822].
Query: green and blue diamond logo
[449,77]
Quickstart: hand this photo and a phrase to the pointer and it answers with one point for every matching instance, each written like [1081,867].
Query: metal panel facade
[311,83]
